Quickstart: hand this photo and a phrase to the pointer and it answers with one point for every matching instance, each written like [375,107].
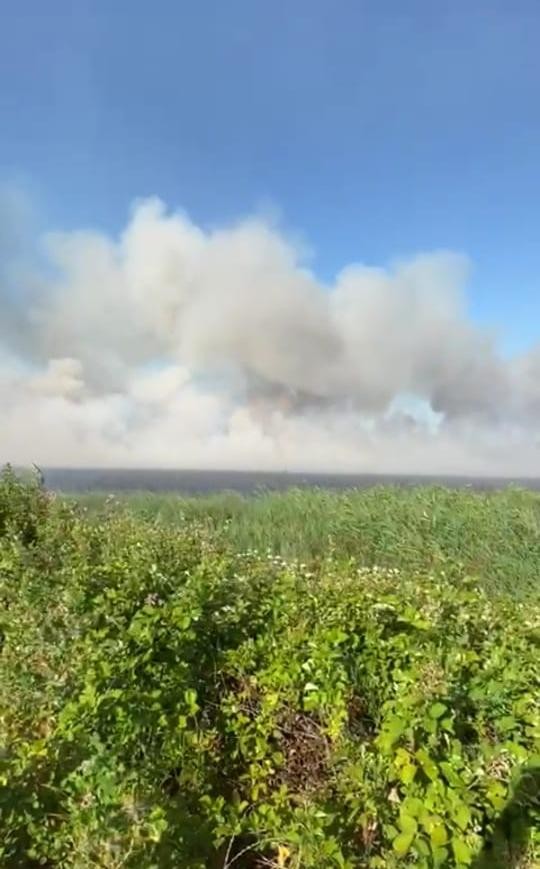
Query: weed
[171,699]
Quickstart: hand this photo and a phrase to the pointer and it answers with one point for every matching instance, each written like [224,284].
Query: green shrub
[167,701]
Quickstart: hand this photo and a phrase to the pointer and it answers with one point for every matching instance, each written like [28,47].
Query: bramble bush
[167,701]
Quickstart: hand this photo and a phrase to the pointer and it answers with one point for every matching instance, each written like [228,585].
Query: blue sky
[378,129]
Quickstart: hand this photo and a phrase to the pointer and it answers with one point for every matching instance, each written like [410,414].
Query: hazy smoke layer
[175,346]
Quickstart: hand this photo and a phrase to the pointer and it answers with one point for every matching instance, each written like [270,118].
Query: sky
[368,133]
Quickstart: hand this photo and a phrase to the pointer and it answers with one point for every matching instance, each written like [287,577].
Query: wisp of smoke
[175,346]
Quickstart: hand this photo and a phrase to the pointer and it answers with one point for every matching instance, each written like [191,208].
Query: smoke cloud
[176,346]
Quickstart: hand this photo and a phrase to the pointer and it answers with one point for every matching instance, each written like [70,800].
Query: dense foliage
[494,535]
[171,701]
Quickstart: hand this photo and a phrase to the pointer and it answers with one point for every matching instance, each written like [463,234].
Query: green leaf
[427,764]
[440,857]
[438,835]
[451,774]
[190,697]
[413,806]
[462,816]
[422,846]
[407,823]
[407,773]
[391,732]
[402,843]
[462,852]
[506,723]
[496,794]
[437,710]
[518,751]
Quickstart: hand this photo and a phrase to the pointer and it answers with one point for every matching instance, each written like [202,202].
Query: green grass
[367,699]
[494,535]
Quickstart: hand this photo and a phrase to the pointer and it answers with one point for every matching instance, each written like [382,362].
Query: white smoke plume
[175,346]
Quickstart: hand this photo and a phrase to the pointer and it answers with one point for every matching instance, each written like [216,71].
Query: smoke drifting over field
[176,346]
